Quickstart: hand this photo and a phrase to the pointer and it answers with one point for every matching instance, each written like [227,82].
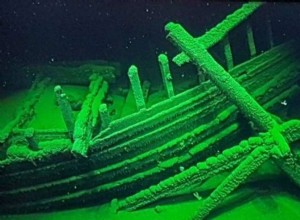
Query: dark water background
[130,32]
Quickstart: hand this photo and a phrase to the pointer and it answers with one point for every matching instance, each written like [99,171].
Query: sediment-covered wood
[226,160]
[247,105]
[220,77]
[88,115]
[217,33]
[100,190]
[65,108]
[280,65]
[149,157]
[76,72]
[25,112]
[250,164]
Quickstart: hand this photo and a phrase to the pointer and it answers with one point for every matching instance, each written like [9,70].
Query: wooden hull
[148,146]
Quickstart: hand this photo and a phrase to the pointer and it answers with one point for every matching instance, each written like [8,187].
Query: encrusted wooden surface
[153,151]
[198,129]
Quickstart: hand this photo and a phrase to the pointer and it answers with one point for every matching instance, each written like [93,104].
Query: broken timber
[87,117]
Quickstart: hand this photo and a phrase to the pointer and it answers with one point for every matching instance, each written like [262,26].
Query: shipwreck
[232,121]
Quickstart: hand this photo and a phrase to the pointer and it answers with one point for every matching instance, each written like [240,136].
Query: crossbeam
[217,33]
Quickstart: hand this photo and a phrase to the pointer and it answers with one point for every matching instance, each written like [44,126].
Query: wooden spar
[226,83]
[269,31]
[65,108]
[166,74]
[217,33]
[279,147]
[136,87]
[104,115]
[84,121]
[26,111]
[228,53]
[250,40]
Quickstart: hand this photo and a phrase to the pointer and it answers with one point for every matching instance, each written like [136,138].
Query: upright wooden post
[269,31]
[166,74]
[136,87]
[228,53]
[104,115]
[250,39]
[65,108]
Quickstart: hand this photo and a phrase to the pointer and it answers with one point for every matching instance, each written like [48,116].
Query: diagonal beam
[256,158]
[226,83]
[217,33]
[212,166]
[220,77]
[248,106]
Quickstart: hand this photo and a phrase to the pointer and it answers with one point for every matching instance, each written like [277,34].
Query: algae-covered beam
[250,40]
[227,84]
[75,72]
[83,125]
[274,56]
[228,53]
[291,166]
[166,74]
[214,165]
[220,77]
[256,158]
[288,163]
[269,31]
[199,173]
[41,135]
[65,108]
[26,111]
[217,33]
[146,89]
[136,87]
[129,107]
[247,105]
[97,102]
[104,115]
